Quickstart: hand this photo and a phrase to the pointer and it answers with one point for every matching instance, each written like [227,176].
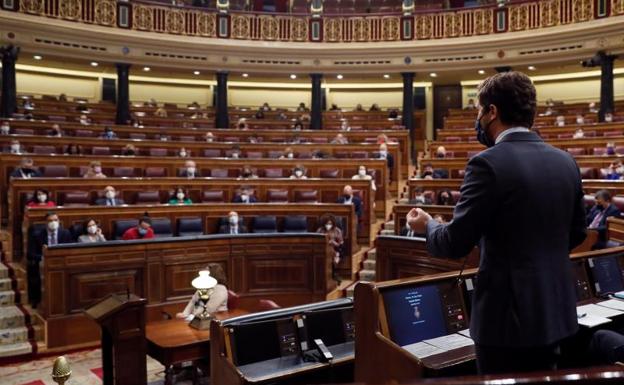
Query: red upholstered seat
[147,197]
[54,171]
[100,150]
[84,133]
[359,155]
[211,153]
[275,154]
[158,152]
[128,172]
[588,172]
[329,173]
[267,304]
[155,172]
[219,173]
[44,150]
[277,196]
[273,173]
[599,151]
[618,201]
[233,300]
[24,131]
[575,151]
[213,196]
[254,154]
[137,135]
[75,198]
[306,196]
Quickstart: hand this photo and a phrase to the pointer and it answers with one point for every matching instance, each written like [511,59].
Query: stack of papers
[597,314]
[438,345]
[613,304]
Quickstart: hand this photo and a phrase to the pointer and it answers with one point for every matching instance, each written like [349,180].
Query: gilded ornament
[269,28]
[390,28]
[105,12]
[240,27]
[206,24]
[299,29]
[32,6]
[142,17]
[174,21]
[70,9]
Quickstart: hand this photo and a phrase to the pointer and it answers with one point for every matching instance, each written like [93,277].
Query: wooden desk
[174,341]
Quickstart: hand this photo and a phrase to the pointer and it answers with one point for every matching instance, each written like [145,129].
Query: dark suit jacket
[522,199]
[238,199]
[610,211]
[37,239]
[102,202]
[356,201]
[183,174]
[33,173]
[225,229]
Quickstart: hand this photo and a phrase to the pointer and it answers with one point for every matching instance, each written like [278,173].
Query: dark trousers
[607,347]
[34,282]
[497,360]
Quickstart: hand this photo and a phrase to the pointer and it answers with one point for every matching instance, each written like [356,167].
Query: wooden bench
[468,133]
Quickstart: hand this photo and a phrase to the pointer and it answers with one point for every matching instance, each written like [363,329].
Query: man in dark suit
[597,217]
[110,198]
[26,170]
[234,225]
[53,234]
[246,195]
[348,198]
[190,170]
[522,201]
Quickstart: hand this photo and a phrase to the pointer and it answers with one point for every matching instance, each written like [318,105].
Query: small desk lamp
[204,284]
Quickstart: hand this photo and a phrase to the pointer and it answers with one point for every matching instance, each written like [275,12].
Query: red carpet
[35,383]
[98,372]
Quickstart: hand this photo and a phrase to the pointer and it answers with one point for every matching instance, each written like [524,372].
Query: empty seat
[254,154]
[189,226]
[613,133]
[44,150]
[273,173]
[588,172]
[575,151]
[120,226]
[341,154]
[359,155]
[320,140]
[295,224]
[568,135]
[84,133]
[275,154]
[187,138]
[54,171]
[277,196]
[618,201]
[233,300]
[213,196]
[100,150]
[306,196]
[599,151]
[329,173]
[127,172]
[75,198]
[264,224]
[24,131]
[211,153]
[137,135]
[158,152]
[147,197]
[162,227]
[219,173]
[305,155]
[155,172]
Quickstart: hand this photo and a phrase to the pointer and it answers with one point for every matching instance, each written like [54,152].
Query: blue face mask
[481,135]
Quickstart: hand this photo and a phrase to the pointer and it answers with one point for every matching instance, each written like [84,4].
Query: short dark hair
[513,94]
[603,194]
[145,219]
[217,272]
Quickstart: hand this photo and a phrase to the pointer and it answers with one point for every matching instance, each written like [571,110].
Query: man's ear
[493,112]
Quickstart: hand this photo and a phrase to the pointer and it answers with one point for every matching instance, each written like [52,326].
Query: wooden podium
[122,319]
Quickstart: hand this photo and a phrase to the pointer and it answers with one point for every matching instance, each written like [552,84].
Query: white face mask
[235,155]
[54,225]
[244,197]
[362,172]
[180,196]
[15,147]
[328,226]
[92,229]
[42,198]
[183,154]
[608,118]
[298,173]
[383,153]
[290,155]
[190,170]
[209,140]
[580,120]
[110,194]
[233,220]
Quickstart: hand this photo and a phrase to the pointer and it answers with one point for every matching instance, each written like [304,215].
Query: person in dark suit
[410,231]
[524,303]
[384,154]
[53,234]
[430,173]
[190,170]
[597,217]
[234,225]
[246,195]
[26,170]
[347,197]
[110,198]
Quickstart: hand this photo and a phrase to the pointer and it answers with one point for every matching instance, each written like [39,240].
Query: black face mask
[481,135]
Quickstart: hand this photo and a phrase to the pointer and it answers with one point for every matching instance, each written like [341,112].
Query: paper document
[451,341]
[422,349]
[616,304]
[465,333]
[590,321]
[598,311]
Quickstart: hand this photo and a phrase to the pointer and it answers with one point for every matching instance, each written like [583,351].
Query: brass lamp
[61,371]
[204,284]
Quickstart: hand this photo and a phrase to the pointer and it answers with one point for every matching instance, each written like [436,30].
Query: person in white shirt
[218,298]
[16,147]
[234,225]
[5,128]
[299,172]
[578,134]
[363,174]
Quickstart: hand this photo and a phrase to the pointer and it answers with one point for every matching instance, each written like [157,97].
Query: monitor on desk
[581,281]
[333,326]
[606,272]
[262,341]
[419,312]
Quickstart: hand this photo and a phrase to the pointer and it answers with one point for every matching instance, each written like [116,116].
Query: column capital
[10,52]
[408,74]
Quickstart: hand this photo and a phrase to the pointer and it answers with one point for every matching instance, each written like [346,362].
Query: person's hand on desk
[417,220]
[180,316]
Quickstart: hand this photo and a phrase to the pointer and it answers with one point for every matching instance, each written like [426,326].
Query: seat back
[120,226]
[211,153]
[273,173]
[24,131]
[75,198]
[219,173]
[265,224]
[189,226]
[254,154]
[233,300]
[158,152]
[306,196]
[162,227]
[618,201]
[84,133]
[277,196]
[155,172]
[359,155]
[97,150]
[54,171]
[329,173]
[137,135]
[44,150]
[213,196]
[128,172]
[295,224]
[267,304]
[147,197]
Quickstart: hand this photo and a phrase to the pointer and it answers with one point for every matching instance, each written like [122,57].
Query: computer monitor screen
[581,281]
[607,274]
[414,314]
[333,326]
[264,340]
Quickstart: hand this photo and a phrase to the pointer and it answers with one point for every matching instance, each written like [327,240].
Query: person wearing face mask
[608,117]
[235,152]
[52,234]
[40,198]
[247,173]
[180,197]
[218,299]
[525,302]
[334,238]
[183,153]
[340,139]
[299,172]
[419,197]
[597,217]
[610,148]
[298,126]
[580,119]
[428,172]
[242,124]
[210,138]
[560,121]
[91,232]
[385,154]
[110,198]
[363,175]
[15,147]
[129,150]
[578,134]
[141,231]
[84,120]
[344,125]
[445,198]
[95,170]
[233,225]
[26,170]
[5,128]
[348,198]
[55,131]
[190,170]
[440,152]
[615,171]
[288,154]
[246,195]
[108,133]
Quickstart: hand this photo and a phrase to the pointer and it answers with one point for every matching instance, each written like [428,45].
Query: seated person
[110,198]
[393,114]
[236,152]
[363,175]
[242,124]
[247,173]
[288,153]
[209,137]
[298,125]
[183,153]
[606,347]
[382,138]
[333,235]
[142,231]
[194,105]
[344,125]
[53,234]
[340,139]
[55,131]
[91,232]
[580,119]
[334,107]
[218,299]
[359,107]
[608,117]
[471,105]
[160,112]
[84,120]
[440,152]
[296,139]
[302,107]
[62,98]
[384,154]
[429,173]
[592,108]
[578,134]
[180,197]
[246,195]
[95,170]
[28,104]
[265,107]
[190,170]
[15,148]
[420,198]
[108,133]
[299,172]
[348,198]
[40,198]
[615,171]
[560,121]
[445,198]
[5,128]
[597,217]
[282,116]
[234,225]
[319,154]
[610,148]
[129,150]
[73,149]
[374,108]
[26,170]
[259,115]
[254,139]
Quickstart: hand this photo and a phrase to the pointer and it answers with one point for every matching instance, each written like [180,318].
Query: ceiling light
[293,76]
[531,68]
[245,75]
[433,75]
[94,64]
[196,72]
[146,69]
[386,76]
[481,72]
[339,76]
[37,57]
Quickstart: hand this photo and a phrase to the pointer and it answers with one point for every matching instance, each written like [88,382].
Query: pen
[581,315]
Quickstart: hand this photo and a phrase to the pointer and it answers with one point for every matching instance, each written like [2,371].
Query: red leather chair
[211,153]
[127,172]
[233,300]
[100,150]
[267,304]
[75,198]
[147,197]
[329,173]
[155,172]
[158,152]
[273,173]
[277,196]
[213,196]
[44,150]
[219,173]
[254,154]
[309,196]
[54,171]
[136,135]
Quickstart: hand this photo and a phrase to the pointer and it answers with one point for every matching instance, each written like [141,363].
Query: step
[17,349]
[369,264]
[6,284]
[386,232]
[371,254]
[367,275]
[39,332]
[4,271]
[403,201]
[389,226]
[11,317]
[13,335]
[7,298]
